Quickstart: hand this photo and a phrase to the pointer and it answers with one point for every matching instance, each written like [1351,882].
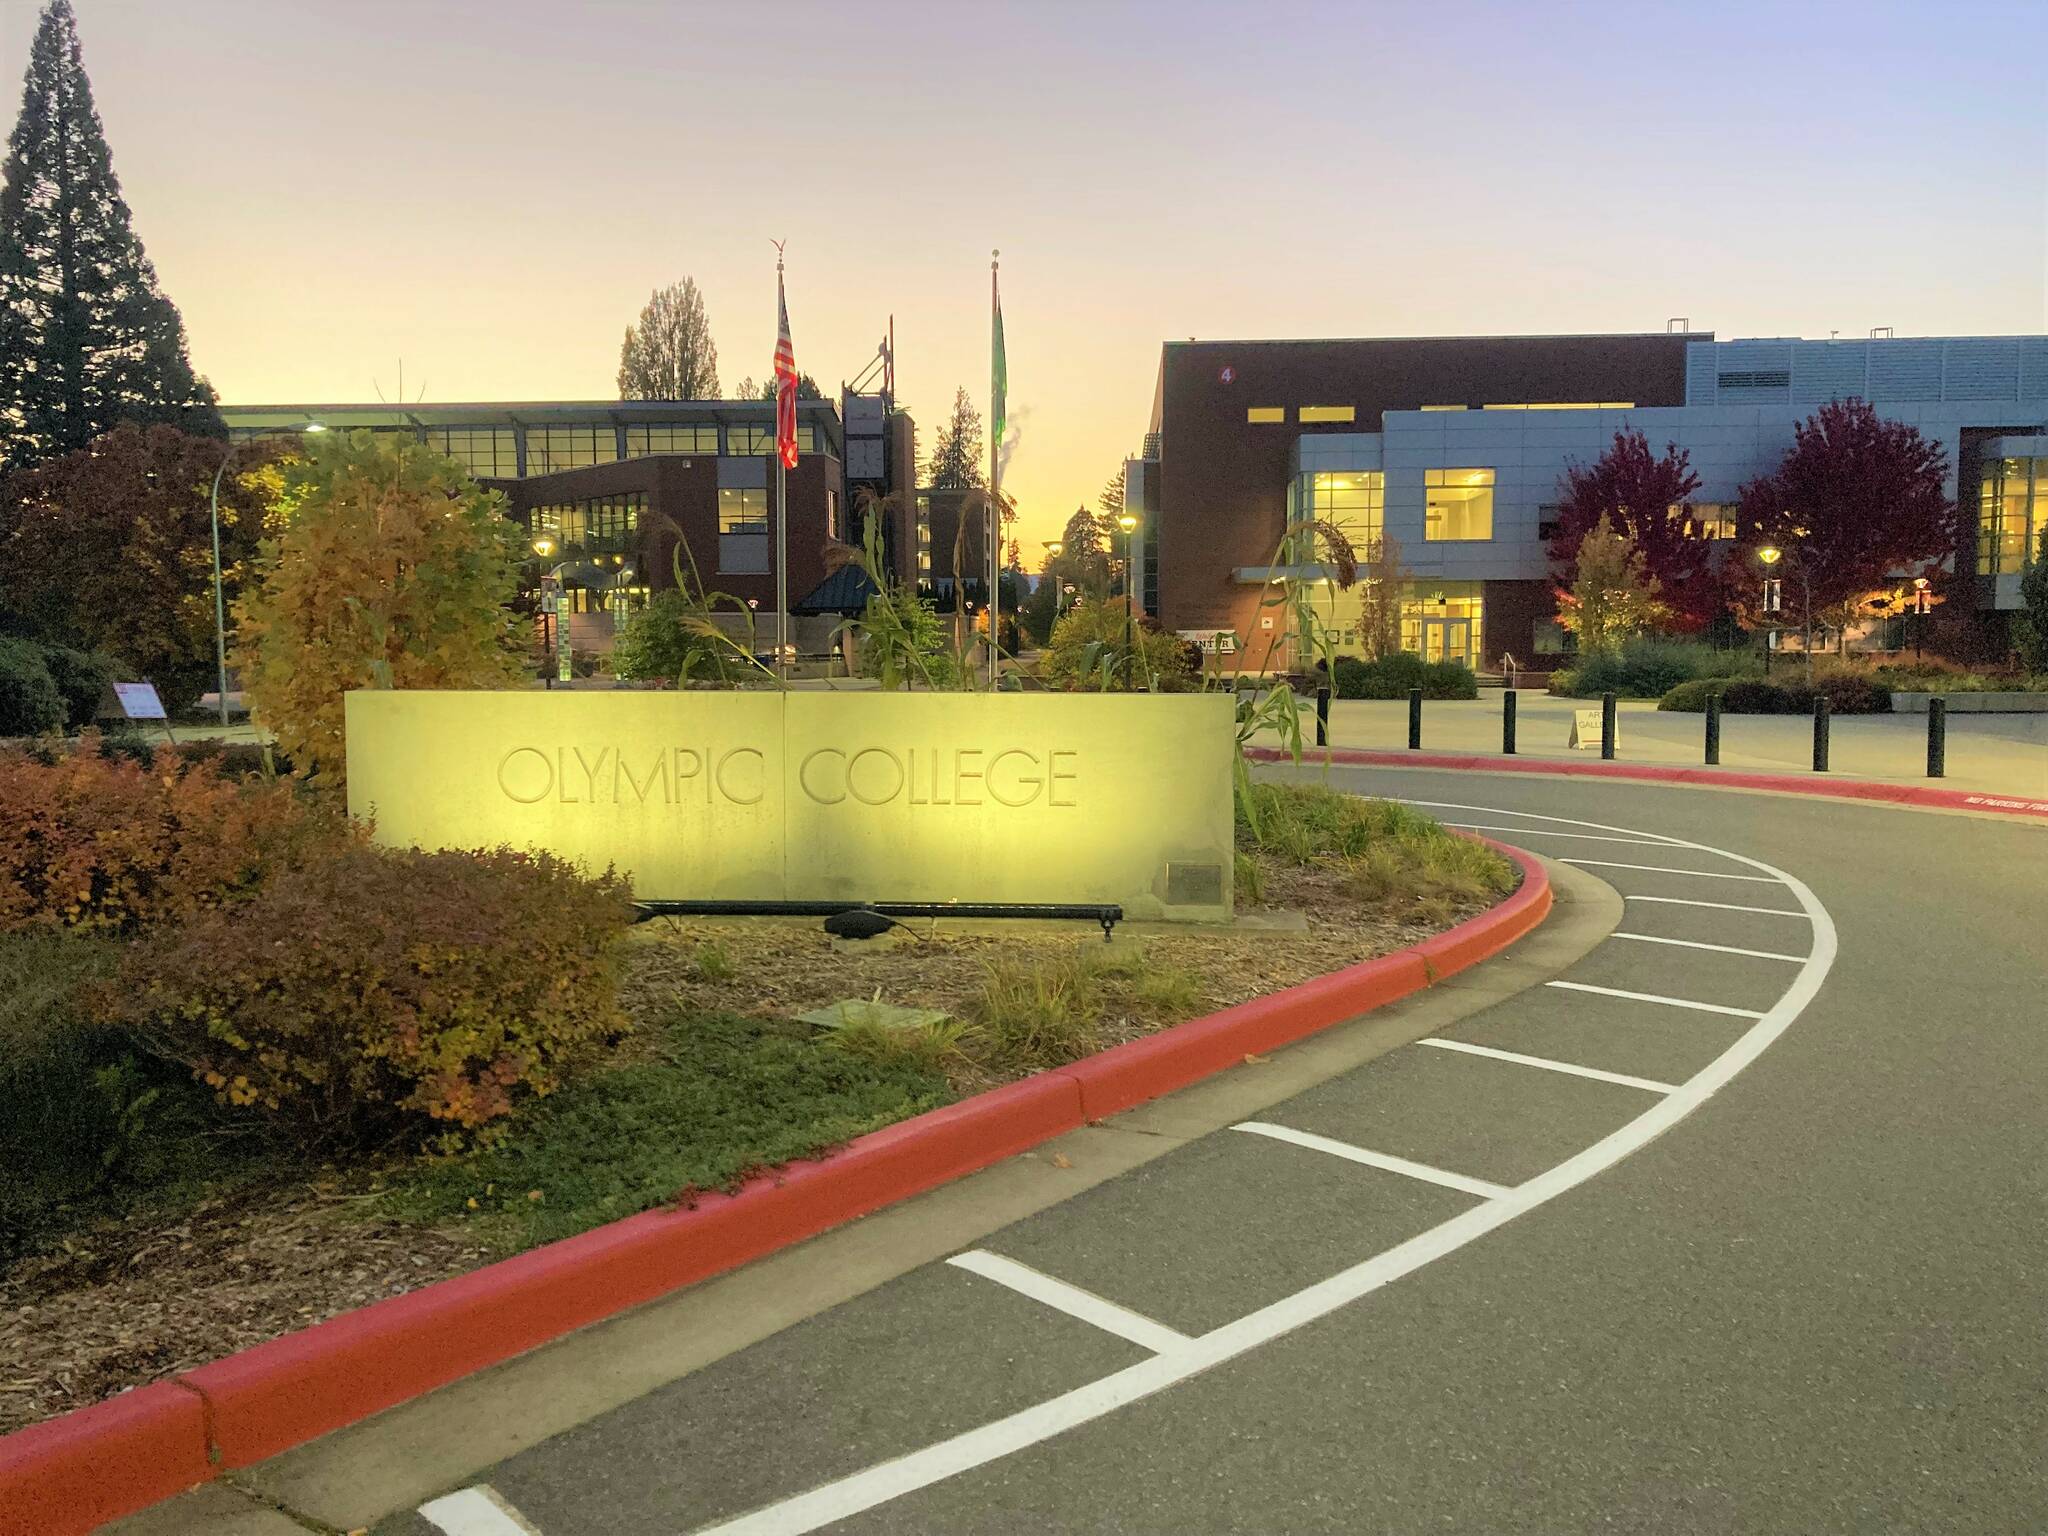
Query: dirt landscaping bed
[718,1079]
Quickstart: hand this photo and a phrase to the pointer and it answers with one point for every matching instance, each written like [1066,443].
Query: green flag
[999,369]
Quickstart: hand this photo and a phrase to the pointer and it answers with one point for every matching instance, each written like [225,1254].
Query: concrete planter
[1973,703]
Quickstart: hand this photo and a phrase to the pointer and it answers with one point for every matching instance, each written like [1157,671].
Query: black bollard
[1937,738]
[1820,735]
[1414,719]
[1322,717]
[1607,726]
[1713,730]
[1507,723]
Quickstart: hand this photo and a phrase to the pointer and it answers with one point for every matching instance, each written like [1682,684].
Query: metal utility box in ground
[801,796]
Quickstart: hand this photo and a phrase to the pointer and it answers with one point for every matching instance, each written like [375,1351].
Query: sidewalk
[1992,754]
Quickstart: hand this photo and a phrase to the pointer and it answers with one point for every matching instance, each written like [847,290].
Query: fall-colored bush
[391,569]
[111,844]
[383,991]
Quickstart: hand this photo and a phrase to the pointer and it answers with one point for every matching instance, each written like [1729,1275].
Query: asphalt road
[1783,1268]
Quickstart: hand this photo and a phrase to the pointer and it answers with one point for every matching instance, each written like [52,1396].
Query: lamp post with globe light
[1128,521]
[220,610]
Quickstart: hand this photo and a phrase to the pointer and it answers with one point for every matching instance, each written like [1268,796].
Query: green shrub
[81,1112]
[1753,696]
[1850,693]
[1392,677]
[1092,648]
[383,990]
[82,678]
[1691,698]
[1648,667]
[30,702]
[109,843]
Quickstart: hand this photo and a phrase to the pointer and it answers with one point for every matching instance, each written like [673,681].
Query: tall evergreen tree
[956,461]
[87,339]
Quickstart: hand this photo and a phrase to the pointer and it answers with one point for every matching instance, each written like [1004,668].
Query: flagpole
[993,523]
[781,523]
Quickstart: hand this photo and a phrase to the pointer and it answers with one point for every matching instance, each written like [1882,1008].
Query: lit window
[1457,504]
[603,525]
[486,452]
[1350,499]
[1443,407]
[554,448]
[2008,516]
[1259,413]
[672,437]
[743,530]
[749,439]
[742,510]
[1314,413]
[1707,520]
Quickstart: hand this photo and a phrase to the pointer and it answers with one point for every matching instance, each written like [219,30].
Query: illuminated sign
[820,796]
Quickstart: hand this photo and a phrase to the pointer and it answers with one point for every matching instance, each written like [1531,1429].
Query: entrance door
[1447,640]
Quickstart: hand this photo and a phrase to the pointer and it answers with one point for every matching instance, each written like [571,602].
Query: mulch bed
[129,1302]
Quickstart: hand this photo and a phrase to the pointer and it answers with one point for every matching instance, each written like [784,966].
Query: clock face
[1228,375]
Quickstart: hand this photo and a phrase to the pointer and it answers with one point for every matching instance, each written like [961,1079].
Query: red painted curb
[68,1475]
[1139,1070]
[283,1393]
[1909,796]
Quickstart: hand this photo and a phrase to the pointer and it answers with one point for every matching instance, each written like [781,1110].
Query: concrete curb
[1908,796]
[69,1475]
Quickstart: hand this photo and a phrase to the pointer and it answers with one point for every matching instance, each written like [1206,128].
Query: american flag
[785,382]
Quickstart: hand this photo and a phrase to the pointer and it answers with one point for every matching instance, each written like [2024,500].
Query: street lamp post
[1128,521]
[220,609]
[544,546]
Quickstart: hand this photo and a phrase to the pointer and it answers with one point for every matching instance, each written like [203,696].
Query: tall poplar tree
[87,338]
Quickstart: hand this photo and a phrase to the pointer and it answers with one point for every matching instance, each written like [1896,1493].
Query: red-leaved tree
[1636,490]
[1856,498]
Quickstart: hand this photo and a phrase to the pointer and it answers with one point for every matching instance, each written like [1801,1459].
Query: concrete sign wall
[807,796]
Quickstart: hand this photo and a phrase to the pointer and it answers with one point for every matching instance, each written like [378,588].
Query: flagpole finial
[994,257]
[778,244]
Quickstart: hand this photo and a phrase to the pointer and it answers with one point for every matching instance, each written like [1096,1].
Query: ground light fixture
[220,611]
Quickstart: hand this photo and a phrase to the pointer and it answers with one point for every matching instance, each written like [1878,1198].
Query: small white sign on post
[134,701]
[1586,730]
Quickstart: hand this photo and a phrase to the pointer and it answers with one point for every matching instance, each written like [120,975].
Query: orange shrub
[380,988]
[109,843]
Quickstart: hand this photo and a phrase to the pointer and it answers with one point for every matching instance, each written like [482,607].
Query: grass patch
[1042,1015]
[720,1099]
[712,962]
[1393,858]
[875,1030]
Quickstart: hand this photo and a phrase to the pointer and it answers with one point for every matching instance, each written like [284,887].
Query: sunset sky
[489,190]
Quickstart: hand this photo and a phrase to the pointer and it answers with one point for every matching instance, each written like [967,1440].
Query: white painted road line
[1566,821]
[1072,1300]
[1718,906]
[1719,949]
[1659,869]
[1380,1160]
[1584,837]
[478,1511]
[1548,1065]
[1653,997]
[875,1485]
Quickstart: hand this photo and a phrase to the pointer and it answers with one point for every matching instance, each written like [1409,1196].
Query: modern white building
[1468,488]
